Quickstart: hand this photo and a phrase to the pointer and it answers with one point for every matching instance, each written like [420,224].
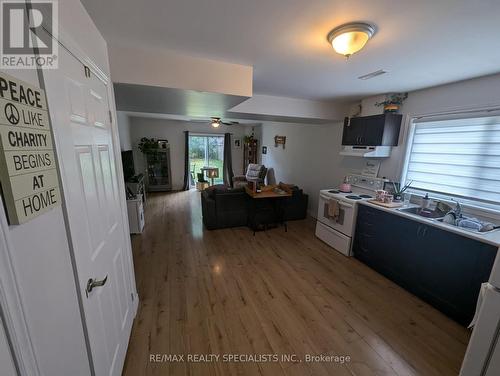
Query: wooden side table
[262,202]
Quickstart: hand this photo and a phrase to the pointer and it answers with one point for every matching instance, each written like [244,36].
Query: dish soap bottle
[426,202]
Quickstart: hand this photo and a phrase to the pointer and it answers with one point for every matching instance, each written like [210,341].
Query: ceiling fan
[216,122]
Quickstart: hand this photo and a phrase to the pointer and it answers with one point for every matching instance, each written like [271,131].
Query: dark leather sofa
[224,207]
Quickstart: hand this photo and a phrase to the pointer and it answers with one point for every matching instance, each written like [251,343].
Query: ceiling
[420,43]
[140,98]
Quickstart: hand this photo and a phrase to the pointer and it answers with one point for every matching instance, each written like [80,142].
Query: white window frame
[473,206]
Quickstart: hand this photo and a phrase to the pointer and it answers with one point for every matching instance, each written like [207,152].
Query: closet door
[79,107]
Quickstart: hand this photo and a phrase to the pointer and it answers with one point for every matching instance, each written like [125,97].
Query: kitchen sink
[426,213]
[495,228]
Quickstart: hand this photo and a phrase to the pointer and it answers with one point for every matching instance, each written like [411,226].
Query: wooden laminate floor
[227,292]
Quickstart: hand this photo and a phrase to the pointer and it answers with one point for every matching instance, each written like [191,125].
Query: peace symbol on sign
[11,113]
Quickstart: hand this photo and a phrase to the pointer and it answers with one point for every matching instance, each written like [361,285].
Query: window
[206,151]
[456,157]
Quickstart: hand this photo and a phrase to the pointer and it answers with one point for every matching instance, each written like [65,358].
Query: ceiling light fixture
[349,38]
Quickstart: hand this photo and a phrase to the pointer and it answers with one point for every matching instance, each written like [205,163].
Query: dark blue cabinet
[443,268]
[372,130]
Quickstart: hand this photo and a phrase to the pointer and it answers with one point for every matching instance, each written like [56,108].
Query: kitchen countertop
[490,238]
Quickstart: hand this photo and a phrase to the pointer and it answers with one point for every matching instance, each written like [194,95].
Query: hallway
[227,292]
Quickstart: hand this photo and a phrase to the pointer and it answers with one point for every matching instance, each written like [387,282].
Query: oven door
[344,222]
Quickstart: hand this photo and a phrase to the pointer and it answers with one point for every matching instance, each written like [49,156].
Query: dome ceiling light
[349,38]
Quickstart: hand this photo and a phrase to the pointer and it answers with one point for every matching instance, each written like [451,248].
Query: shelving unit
[250,150]
[158,176]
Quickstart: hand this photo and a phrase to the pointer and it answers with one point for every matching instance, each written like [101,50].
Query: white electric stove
[338,232]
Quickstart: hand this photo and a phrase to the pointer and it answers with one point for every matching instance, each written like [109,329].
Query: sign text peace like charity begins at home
[28,171]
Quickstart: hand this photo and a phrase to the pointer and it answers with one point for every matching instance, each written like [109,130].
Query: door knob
[94,283]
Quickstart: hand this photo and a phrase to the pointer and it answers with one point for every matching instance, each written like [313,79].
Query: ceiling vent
[372,74]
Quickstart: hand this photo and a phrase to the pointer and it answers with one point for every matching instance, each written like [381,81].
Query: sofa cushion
[254,171]
[210,191]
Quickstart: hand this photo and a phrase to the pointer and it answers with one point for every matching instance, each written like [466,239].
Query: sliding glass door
[206,151]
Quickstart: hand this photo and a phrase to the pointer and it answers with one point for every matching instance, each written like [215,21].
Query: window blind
[459,157]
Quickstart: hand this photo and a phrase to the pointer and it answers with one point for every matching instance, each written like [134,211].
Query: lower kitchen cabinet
[443,268]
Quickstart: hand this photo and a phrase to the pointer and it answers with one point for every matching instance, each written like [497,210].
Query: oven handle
[341,203]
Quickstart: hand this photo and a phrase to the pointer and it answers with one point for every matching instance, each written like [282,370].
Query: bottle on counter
[426,202]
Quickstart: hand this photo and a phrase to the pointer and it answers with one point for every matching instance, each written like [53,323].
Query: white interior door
[79,109]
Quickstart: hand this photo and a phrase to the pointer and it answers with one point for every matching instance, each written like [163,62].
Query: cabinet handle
[418,230]
[424,233]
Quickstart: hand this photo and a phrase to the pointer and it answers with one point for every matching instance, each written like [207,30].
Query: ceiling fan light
[215,123]
[350,38]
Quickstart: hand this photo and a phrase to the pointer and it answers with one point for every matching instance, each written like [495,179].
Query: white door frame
[11,307]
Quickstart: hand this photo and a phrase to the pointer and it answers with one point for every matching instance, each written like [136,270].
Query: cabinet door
[451,269]
[373,130]
[399,256]
[369,244]
[365,246]
[353,132]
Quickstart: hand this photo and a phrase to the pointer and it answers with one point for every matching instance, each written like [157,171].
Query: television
[128,164]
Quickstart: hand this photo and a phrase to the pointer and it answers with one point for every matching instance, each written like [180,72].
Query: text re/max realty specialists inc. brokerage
[247,358]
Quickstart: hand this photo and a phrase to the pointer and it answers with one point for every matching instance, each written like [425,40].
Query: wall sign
[28,174]
[279,140]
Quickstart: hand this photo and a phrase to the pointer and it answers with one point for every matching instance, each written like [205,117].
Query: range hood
[366,151]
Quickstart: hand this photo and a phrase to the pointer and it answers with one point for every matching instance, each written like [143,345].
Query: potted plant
[248,139]
[398,191]
[393,102]
[148,145]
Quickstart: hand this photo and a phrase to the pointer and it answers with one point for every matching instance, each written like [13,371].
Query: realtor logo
[29,33]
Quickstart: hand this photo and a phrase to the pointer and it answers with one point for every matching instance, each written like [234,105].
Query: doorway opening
[206,151]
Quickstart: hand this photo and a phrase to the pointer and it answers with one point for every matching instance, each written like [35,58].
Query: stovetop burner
[365,196]
[353,197]
[333,191]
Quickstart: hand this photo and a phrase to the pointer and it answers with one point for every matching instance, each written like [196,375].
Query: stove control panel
[366,182]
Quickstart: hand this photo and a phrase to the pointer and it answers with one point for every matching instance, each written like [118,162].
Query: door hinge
[110,117]
[132,296]
[87,71]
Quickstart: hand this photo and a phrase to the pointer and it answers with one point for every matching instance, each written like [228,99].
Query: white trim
[403,163]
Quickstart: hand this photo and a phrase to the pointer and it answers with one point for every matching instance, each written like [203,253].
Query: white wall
[173,131]
[291,107]
[123,121]
[6,362]
[310,159]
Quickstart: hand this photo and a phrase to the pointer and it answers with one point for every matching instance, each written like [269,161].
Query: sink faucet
[458,208]
[443,207]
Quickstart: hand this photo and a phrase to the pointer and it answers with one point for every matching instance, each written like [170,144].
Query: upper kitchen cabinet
[376,130]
